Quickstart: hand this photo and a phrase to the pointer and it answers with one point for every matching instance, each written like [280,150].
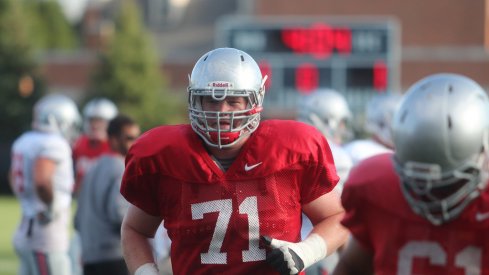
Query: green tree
[20,84]
[48,26]
[129,73]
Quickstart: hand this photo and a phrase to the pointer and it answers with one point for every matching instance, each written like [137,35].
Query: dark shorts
[114,267]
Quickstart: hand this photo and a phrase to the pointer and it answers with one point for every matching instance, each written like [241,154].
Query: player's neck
[227,153]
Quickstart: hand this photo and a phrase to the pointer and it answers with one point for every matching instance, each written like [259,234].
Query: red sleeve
[139,184]
[354,218]
[320,175]
[364,196]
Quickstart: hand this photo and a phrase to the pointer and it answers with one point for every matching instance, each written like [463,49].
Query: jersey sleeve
[139,184]
[320,175]
[55,149]
[354,218]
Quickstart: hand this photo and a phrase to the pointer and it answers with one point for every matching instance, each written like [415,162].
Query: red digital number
[306,78]
[380,76]
[320,40]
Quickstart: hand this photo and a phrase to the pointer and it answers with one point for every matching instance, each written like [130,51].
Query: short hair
[116,124]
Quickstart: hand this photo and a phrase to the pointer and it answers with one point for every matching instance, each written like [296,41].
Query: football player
[379,112]
[101,207]
[425,208]
[229,188]
[41,176]
[328,111]
[93,143]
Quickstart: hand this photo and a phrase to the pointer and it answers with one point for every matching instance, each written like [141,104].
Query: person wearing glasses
[101,207]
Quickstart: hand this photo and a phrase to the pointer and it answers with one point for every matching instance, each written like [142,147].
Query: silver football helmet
[221,73]
[101,108]
[379,114]
[329,112]
[56,113]
[440,134]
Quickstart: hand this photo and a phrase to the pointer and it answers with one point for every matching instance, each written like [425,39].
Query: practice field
[9,215]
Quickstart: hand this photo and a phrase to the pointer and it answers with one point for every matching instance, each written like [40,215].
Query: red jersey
[403,242]
[85,153]
[215,218]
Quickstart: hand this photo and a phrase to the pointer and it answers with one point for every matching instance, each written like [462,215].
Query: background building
[434,36]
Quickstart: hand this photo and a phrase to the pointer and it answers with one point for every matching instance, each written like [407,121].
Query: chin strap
[225,138]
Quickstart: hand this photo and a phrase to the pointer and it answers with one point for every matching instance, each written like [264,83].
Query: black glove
[282,257]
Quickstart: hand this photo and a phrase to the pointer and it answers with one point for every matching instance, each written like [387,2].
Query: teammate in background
[328,111]
[432,191]
[87,149]
[41,177]
[379,113]
[101,207]
[227,181]
[93,143]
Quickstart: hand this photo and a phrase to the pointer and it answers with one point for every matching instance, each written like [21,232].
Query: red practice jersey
[403,242]
[214,218]
[85,153]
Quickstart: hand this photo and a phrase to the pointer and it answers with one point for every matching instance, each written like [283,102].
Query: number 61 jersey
[214,218]
[403,242]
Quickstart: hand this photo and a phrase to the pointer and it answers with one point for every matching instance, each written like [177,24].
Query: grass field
[10,215]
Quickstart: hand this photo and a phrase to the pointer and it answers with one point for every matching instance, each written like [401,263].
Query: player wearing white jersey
[379,113]
[328,111]
[41,176]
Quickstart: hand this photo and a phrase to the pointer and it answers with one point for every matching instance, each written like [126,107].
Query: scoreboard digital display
[356,56]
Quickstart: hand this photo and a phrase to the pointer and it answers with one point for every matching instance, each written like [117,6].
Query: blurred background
[139,53]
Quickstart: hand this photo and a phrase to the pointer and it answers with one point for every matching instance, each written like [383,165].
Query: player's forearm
[43,174]
[45,192]
[136,248]
[331,230]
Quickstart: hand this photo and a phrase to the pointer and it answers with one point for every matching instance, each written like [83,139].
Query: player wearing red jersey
[230,189]
[425,208]
[94,142]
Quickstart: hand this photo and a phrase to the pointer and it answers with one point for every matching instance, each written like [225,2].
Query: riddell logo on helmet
[220,84]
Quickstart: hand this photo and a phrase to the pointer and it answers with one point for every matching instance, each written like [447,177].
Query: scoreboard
[357,56]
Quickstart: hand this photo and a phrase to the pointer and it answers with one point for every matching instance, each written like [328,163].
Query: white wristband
[147,269]
[311,250]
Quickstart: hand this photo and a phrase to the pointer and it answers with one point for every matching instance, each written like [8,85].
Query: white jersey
[31,234]
[364,148]
[342,162]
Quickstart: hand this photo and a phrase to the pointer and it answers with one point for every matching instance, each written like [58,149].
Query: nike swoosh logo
[248,168]
[481,216]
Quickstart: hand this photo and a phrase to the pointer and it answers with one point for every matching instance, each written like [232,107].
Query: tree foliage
[48,26]
[20,84]
[129,73]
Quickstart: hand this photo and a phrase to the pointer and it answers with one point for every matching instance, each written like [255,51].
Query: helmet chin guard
[220,74]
